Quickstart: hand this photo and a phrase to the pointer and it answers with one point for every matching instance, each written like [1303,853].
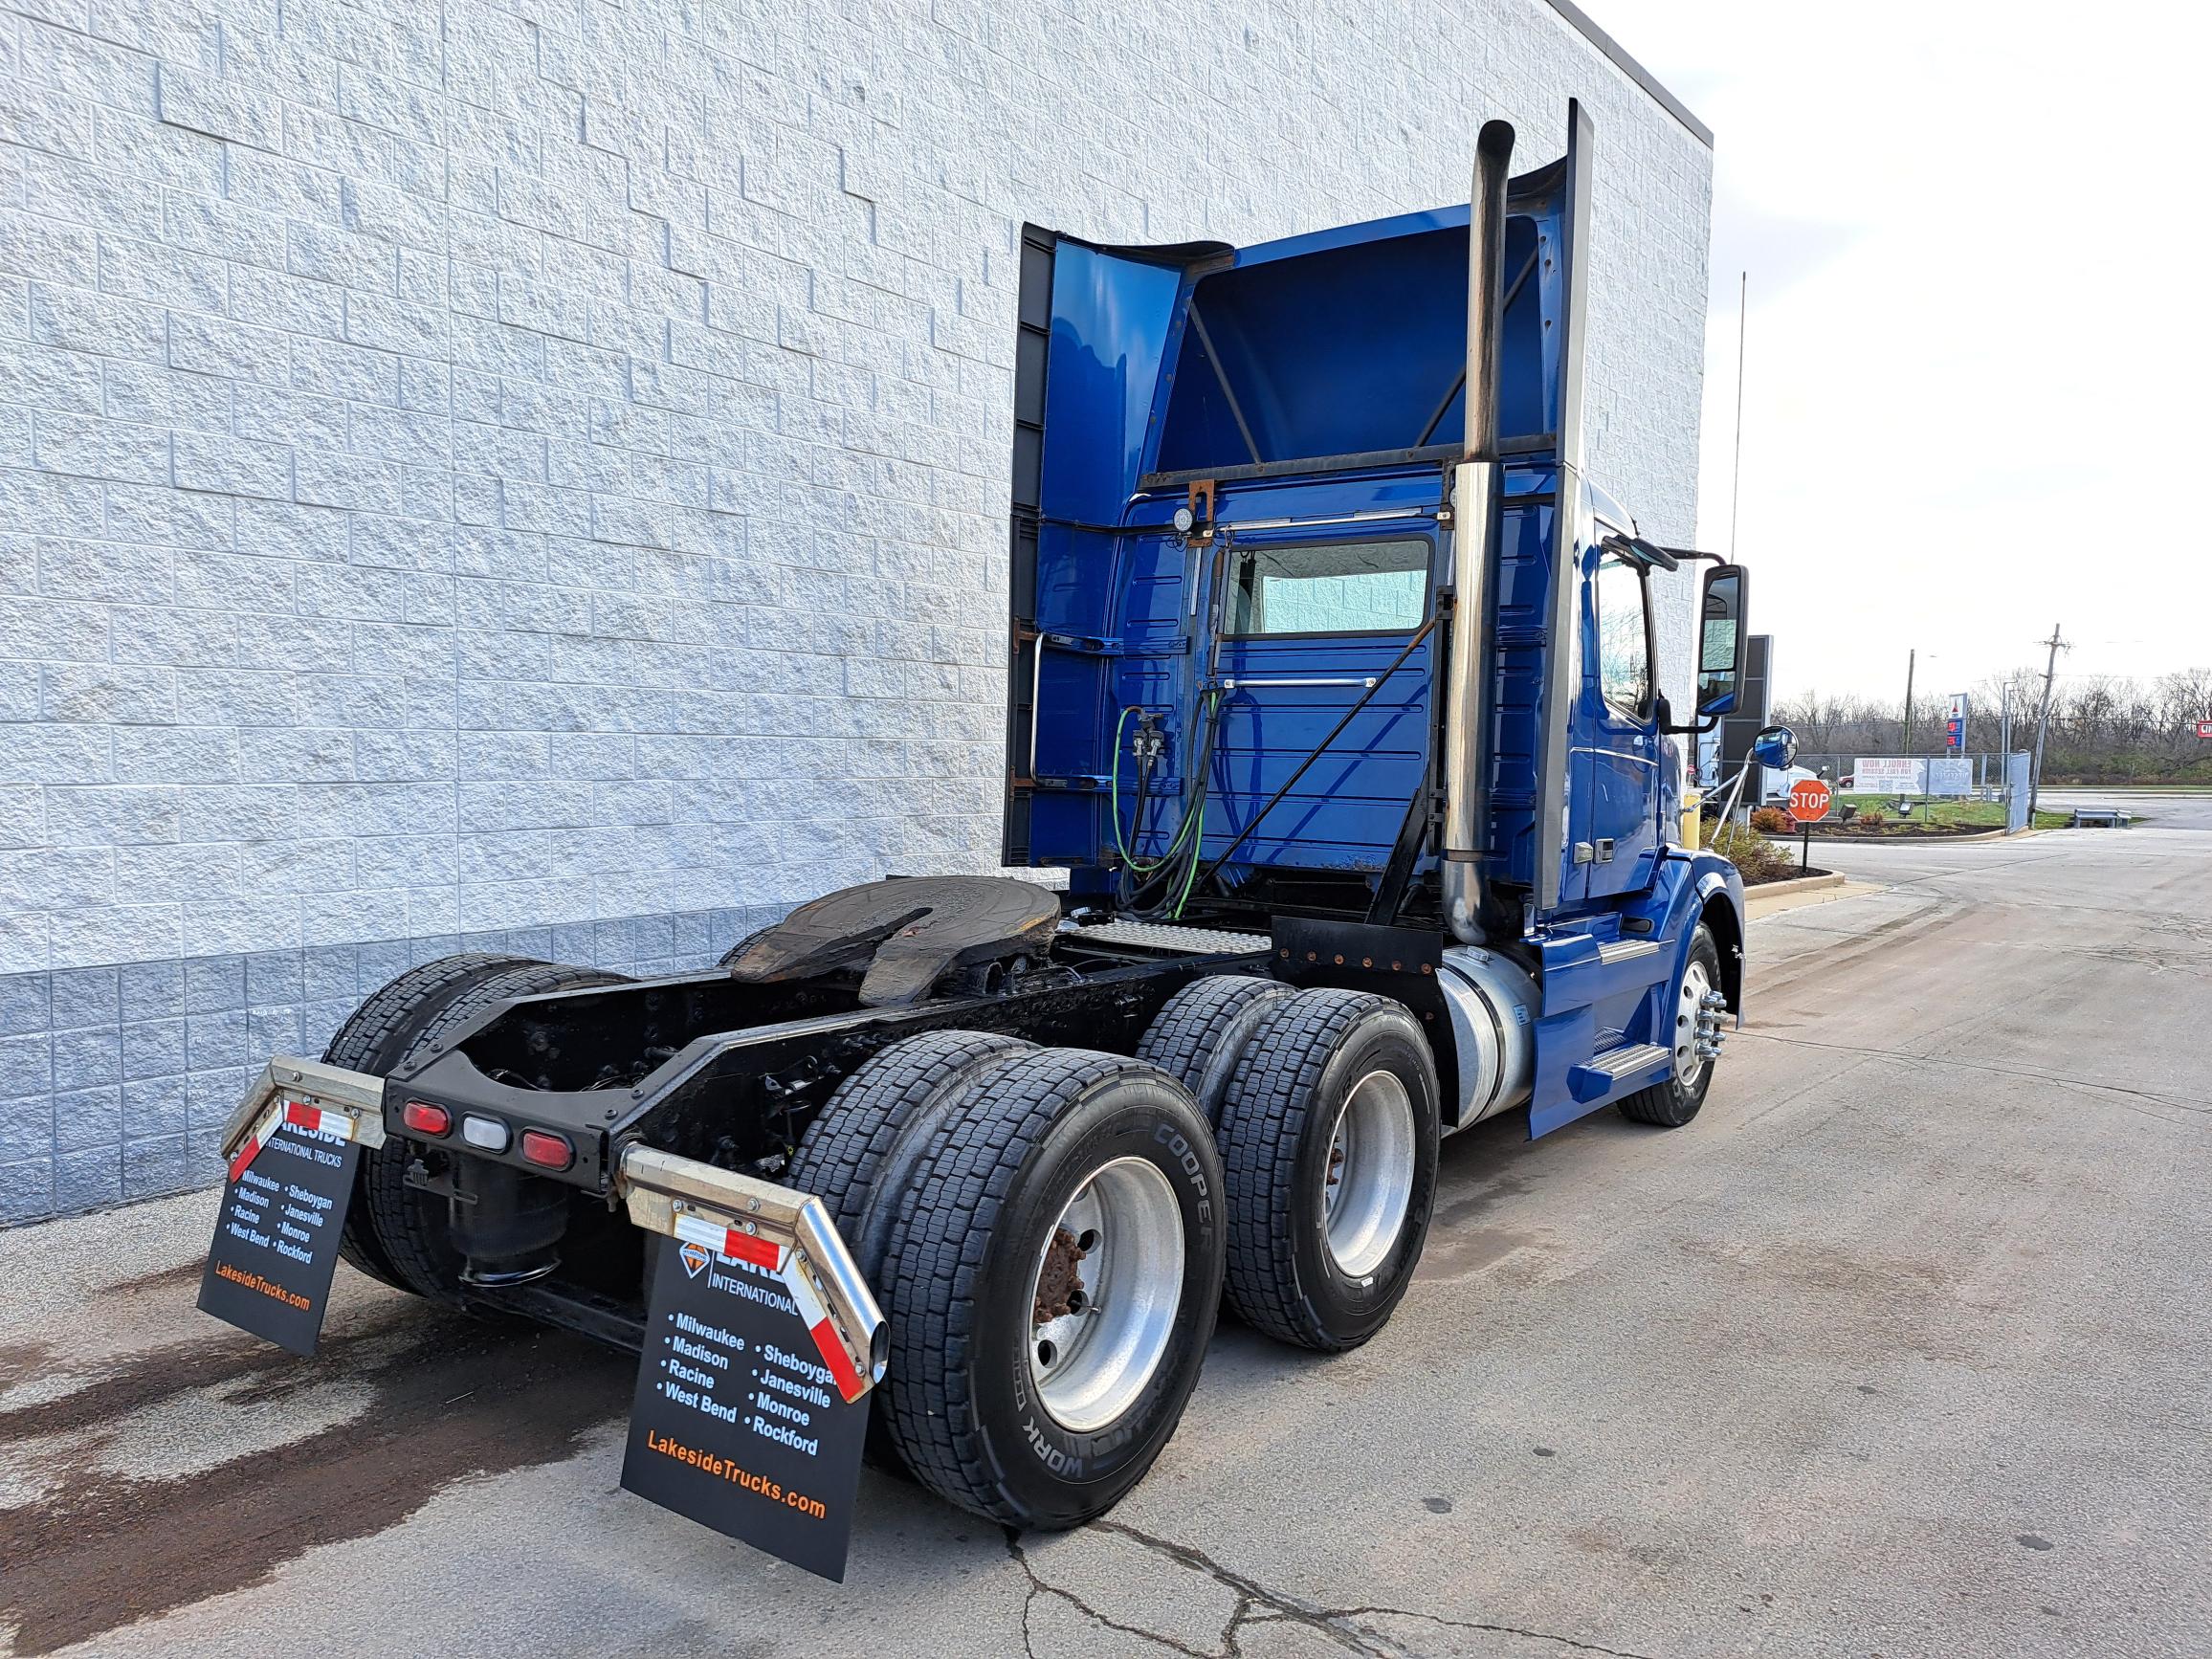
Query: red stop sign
[1808,800]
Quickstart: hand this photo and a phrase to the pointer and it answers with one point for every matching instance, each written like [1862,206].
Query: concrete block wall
[538,472]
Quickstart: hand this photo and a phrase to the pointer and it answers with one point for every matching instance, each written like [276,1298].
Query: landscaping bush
[1756,858]
[1773,821]
[1872,818]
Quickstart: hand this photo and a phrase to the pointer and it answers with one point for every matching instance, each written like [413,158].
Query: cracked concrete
[1899,1350]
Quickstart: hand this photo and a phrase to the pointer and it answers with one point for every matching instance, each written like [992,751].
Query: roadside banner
[1953,777]
[1875,775]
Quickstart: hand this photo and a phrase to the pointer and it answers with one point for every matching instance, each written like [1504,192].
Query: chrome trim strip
[1627,950]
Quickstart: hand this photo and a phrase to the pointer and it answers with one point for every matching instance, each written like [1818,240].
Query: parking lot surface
[1901,1348]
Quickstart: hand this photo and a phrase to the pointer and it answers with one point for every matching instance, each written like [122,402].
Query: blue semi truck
[1334,692]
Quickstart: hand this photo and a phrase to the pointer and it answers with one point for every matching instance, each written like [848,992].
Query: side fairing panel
[1096,326]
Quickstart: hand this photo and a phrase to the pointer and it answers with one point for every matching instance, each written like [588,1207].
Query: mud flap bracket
[777,1229]
[310,1094]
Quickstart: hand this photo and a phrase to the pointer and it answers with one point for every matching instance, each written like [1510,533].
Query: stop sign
[1808,800]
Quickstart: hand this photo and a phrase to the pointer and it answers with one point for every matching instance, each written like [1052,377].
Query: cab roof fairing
[1337,341]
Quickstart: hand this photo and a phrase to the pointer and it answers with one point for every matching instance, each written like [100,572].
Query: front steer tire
[1322,1059]
[966,1282]
[1673,1103]
[395,1233]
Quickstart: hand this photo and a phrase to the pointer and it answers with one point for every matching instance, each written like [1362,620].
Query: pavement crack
[1493,1629]
[1038,1586]
[1258,1605]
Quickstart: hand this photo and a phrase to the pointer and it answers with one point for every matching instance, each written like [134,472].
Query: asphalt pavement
[1900,1349]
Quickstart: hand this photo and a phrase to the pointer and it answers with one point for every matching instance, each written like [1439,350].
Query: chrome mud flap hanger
[309,1093]
[777,1229]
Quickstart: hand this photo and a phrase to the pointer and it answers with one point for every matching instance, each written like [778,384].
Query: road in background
[1900,1349]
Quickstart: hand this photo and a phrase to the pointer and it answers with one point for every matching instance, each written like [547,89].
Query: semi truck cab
[1294,635]
[1336,704]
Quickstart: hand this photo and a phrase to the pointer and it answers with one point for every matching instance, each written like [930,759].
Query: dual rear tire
[1043,1228]
[396,1232]
[1049,1231]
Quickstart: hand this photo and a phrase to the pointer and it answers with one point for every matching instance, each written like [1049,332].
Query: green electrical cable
[1120,845]
[1198,816]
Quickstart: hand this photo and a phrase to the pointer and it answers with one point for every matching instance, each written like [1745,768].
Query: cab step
[1615,1070]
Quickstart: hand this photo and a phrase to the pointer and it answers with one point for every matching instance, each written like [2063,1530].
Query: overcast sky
[1977,384]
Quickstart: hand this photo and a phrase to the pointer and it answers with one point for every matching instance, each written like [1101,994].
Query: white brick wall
[500,466]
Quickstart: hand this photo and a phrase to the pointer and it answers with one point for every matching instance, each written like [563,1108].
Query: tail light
[547,1150]
[424,1119]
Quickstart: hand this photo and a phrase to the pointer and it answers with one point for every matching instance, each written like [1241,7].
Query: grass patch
[1929,815]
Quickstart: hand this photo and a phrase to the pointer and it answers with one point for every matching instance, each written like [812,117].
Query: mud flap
[762,1345]
[292,1146]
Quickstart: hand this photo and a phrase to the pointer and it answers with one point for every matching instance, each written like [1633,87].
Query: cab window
[1623,637]
[1330,588]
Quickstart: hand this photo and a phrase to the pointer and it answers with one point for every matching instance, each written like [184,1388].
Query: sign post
[1954,726]
[1808,804]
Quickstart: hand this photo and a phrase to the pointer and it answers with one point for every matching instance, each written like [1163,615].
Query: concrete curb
[1774,897]
[1789,841]
[1793,885]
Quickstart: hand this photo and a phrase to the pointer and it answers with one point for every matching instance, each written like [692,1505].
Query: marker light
[424,1119]
[547,1150]
[487,1133]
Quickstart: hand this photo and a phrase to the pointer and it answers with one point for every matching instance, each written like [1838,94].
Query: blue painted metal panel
[1346,347]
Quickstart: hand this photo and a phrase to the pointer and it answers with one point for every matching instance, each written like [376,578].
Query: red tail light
[547,1150]
[424,1119]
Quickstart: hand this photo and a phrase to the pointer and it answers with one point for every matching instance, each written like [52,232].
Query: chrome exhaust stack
[1477,491]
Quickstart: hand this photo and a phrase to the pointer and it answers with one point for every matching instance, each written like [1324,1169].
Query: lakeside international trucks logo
[739,1419]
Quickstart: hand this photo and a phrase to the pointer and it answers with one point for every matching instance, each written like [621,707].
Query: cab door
[1617,757]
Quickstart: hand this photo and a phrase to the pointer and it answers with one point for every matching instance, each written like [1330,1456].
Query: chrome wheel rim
[1689,1003]
[1367,1183]
[1104,1296]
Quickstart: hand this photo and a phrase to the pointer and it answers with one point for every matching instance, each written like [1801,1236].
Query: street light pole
[1905,741]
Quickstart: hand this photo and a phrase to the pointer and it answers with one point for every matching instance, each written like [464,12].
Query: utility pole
[2043,721]
[1905,742]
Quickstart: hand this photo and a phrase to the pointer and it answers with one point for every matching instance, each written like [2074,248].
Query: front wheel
[1687,1026]
[1052,1284]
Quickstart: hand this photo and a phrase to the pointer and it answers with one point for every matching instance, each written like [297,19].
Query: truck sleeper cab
[1333,690]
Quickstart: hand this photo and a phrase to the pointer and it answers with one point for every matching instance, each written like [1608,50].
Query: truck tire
[860,1153]
[1026,1386]
[395,1233]
[1328,1137]
[1196,1037]
[864,1146]
[1671,1104]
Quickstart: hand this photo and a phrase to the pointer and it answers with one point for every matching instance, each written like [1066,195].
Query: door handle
[1606,849]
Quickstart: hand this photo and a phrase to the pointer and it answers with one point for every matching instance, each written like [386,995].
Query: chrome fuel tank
[1493,1006]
